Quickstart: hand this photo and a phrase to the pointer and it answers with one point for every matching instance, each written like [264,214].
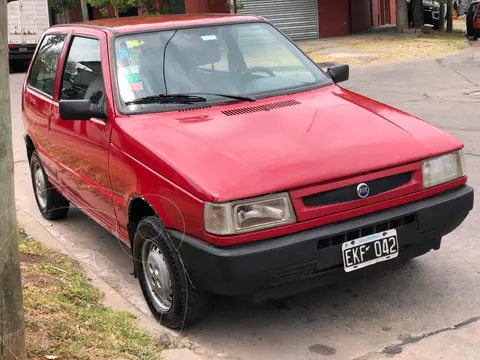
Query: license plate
[22,49]
[369,250]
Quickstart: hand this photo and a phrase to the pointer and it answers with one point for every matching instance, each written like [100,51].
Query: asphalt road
[408,310]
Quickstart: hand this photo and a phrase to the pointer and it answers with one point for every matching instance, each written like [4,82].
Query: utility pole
[12,326]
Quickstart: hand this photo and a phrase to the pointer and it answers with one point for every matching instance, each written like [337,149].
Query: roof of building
[139,23]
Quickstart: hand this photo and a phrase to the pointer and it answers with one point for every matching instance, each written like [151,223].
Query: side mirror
[339,73]
[81,110]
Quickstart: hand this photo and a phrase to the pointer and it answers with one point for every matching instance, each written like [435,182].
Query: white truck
[27,20]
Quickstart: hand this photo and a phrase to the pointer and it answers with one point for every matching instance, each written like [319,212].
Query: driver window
[82,76]
[263,49]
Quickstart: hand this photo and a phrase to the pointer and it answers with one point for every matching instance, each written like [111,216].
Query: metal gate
[298,19]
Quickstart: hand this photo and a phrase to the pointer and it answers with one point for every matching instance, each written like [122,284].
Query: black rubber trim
[349,193]
[272,267]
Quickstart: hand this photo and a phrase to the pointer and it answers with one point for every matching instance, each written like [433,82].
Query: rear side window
[44,68]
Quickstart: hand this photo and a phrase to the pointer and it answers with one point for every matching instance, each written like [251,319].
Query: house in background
[299,19]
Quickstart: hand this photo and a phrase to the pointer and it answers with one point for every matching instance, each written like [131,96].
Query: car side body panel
[82,147]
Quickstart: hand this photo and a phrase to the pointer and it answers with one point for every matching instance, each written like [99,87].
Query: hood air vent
[195,108]
[267,107]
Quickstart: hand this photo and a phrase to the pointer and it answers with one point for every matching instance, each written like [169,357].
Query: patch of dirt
[385,47]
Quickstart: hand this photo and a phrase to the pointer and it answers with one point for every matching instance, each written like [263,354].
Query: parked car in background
[228,161]
[473,29]
[431,13]
[27,20]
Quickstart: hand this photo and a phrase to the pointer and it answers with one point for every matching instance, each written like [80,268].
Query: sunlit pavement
[425,309]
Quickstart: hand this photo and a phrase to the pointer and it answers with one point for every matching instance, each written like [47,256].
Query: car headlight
[443,168]
[249,215]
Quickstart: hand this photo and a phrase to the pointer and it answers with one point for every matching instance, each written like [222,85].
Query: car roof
[152,22]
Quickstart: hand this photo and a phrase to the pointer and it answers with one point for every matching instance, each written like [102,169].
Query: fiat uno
[228,161]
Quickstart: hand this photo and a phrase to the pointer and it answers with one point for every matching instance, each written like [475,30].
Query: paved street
[425,309]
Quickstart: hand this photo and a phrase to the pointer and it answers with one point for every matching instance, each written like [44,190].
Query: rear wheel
[163,278]
[50,202]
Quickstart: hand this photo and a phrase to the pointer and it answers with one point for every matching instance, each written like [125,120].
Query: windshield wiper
[235,97]
[167,99]
[184,98]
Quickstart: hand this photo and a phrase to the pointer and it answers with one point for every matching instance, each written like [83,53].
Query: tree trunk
[449,16]
[231,6]
[83,5]
[441,25]
[12,327]
[401,10]
[417,13]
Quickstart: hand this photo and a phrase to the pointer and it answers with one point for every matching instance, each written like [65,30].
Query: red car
[228,161]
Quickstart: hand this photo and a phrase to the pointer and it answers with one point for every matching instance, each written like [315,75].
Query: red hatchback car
[228,161]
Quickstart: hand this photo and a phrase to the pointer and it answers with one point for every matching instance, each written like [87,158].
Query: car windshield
[249,59]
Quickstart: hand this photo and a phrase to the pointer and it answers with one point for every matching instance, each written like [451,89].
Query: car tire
[163,278]
[50,202]
[436,25]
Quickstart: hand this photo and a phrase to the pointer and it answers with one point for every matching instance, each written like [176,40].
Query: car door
[38,97]
[82,146]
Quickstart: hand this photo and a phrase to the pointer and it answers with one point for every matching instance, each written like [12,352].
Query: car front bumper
[298,262]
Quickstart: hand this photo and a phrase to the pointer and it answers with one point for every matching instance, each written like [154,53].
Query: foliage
[153,7]
[60,5]
[117,5]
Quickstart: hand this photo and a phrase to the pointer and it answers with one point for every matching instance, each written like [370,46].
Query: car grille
[364,231]
[304,270]
[349,193]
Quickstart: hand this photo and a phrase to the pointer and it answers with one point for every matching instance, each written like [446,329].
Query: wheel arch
[30,146]
[138,208]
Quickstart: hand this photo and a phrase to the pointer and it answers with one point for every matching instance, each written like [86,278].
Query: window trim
[64,65]
[34,89]
[121,109]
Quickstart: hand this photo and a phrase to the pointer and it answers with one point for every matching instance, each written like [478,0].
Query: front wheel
[50,202]
[163,278]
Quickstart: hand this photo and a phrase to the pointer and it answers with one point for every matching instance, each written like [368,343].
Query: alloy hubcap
[157,277]
[40,187]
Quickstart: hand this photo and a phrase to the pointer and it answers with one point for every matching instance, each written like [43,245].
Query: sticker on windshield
[138,86]
[123,54]
[134,78]
[208,37]
[129,70]
[134,43]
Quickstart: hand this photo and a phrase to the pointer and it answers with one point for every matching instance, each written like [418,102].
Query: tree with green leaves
[118,6]
[152,7]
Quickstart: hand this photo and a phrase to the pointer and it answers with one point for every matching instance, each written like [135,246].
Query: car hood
[242,150]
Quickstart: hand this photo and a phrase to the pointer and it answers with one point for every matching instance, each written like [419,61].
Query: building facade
[298,19]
